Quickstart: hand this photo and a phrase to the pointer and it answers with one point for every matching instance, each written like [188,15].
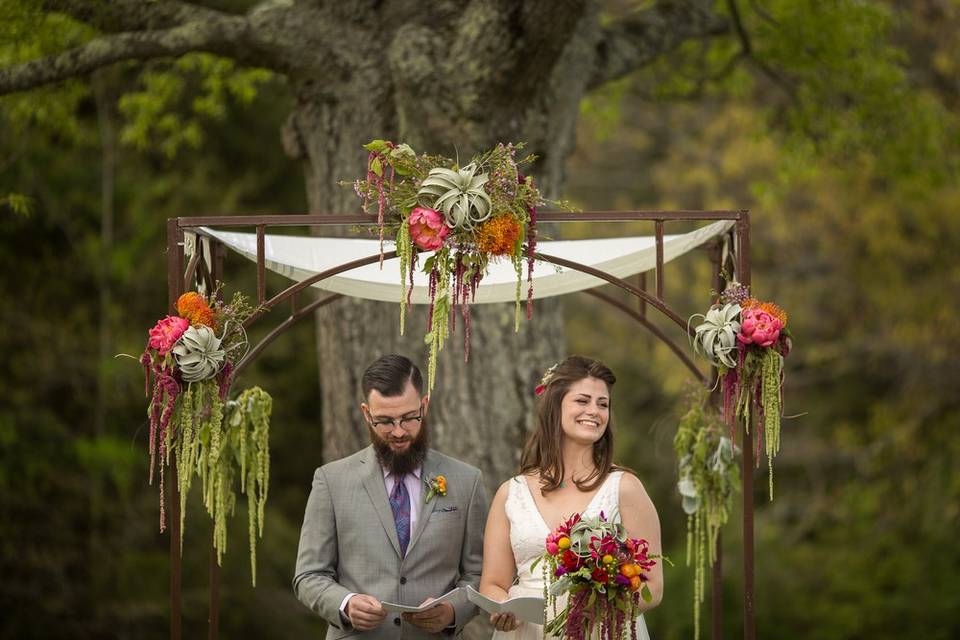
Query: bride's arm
[498,562]
[640,518]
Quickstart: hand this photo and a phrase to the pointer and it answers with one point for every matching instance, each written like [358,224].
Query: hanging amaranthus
[243,442]
[189,364]
[708,477]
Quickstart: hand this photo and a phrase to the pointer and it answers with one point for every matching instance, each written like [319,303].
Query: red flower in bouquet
[602,571]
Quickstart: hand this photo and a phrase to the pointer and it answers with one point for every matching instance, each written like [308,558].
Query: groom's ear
[426,404]
[365,410]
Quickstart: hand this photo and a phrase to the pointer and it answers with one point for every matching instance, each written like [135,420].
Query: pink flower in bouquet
[759,327]
[427,228]
[166,333]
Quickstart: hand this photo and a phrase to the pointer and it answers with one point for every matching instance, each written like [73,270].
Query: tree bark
[450,101]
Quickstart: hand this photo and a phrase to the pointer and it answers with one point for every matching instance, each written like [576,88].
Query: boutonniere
[436,486]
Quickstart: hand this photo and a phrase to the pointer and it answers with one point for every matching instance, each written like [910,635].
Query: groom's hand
[435,619]
[365,612]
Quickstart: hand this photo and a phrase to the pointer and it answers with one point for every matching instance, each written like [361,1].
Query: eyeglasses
[407,424]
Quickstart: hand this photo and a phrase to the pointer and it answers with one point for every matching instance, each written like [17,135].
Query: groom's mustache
[401,461]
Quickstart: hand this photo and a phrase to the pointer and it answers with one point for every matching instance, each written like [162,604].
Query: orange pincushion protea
[498,235]
[769,307]
[194,308]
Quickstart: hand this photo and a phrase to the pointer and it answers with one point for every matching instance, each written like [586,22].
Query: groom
[371,535]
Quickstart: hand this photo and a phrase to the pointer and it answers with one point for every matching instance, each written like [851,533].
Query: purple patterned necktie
[400,505]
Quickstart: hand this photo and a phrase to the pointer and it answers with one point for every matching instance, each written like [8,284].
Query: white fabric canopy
[299,257]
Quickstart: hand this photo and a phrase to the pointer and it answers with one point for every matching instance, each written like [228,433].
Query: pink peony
[552,548]
[427,228]
[759,327]
[166,333]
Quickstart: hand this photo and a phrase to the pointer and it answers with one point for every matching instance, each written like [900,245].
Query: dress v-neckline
[583,510]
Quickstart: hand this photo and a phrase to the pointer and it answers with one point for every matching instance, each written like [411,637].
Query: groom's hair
[389,375]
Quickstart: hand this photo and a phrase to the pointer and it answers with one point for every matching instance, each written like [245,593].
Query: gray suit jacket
[349,543]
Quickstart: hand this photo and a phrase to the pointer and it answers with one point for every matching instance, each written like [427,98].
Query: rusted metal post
[213,621]
[716,591]
[217,254]
[174,289]
[659,232]
[261,282]
[642,284]
[743,275]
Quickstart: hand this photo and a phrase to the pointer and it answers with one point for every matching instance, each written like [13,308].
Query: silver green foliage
[198,354]
[458,194]
[716,337]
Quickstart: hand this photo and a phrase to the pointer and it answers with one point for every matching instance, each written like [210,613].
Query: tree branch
[117,16]
[636,42]
[746,48]
[223,35]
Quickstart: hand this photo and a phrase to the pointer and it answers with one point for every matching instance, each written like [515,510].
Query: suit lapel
[431,469]
[373,482]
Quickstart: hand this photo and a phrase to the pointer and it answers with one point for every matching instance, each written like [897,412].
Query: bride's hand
[504,621]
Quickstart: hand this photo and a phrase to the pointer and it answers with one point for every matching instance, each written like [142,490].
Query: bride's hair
[542,453]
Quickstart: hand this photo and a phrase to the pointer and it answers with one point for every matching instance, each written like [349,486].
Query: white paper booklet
[527,608]
[403,608]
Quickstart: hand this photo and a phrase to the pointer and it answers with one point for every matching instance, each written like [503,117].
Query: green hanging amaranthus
[708,477]
[189,361]
[241,439]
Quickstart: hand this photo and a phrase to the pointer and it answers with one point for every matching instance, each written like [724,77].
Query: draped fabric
[299,257]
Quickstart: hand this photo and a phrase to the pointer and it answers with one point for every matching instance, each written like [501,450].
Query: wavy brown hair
[542,453]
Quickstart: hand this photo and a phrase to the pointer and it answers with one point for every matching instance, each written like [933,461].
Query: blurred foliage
[845,149]
[837,128]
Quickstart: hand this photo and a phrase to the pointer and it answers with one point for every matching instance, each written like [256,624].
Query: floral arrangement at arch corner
[604,574]
[747,340]
[189,362]
[466,215]
[708,478]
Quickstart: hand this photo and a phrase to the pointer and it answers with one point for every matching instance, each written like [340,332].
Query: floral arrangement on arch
[708,477]
[467,215]
[189,362]
[603,573]
[747,340]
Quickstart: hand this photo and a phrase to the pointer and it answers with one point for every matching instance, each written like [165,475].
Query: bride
[566,467]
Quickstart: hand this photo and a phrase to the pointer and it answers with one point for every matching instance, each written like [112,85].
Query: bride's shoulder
[631,488]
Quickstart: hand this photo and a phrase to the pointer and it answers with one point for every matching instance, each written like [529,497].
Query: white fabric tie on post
[299,257]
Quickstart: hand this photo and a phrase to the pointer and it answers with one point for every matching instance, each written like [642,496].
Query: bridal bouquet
[189,362]
[604,574]
[467,215]
[747,340]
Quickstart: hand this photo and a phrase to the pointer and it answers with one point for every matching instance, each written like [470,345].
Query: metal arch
[652,328]
[619,282]
[283,326]
[176,285]
[317,277]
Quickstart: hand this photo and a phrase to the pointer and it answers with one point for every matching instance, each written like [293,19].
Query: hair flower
[545,380]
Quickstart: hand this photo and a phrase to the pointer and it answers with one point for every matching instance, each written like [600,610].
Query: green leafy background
[838,131]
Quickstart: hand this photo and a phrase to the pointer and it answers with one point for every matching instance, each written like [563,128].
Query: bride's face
[585,410]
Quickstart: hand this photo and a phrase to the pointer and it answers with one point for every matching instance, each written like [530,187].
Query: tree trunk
[481,410]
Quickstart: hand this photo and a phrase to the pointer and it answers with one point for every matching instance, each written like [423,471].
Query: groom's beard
[401,462]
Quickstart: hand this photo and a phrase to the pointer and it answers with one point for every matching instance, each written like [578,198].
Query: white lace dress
[528,533]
